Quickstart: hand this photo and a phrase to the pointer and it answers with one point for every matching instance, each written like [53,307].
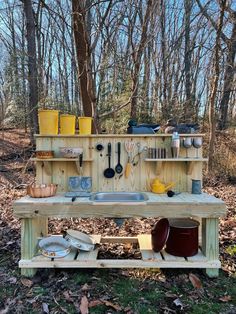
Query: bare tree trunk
[40,45]
[87,84]
[228,79]
[216,71]
[166,110]
[137,56]
[32,68]
[229,71]
[24,98]
[188,106]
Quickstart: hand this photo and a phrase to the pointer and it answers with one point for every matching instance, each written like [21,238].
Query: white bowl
[70,152]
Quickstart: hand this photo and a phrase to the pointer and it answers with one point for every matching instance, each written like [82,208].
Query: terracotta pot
[183,237]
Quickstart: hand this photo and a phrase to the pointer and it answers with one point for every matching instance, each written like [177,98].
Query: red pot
[183,237]
[159,234]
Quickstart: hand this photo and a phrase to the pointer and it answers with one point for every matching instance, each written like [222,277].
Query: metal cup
[196,186]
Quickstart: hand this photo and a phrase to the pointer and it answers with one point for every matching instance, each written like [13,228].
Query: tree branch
[213,23]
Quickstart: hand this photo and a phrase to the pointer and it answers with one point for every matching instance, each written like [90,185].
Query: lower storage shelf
[149,259]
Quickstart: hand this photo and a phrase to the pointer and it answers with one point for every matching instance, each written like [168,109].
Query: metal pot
[183,237]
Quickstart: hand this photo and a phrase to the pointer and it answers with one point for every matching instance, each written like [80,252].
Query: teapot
[160,188]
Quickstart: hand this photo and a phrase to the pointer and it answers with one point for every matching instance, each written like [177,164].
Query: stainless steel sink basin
[118,197]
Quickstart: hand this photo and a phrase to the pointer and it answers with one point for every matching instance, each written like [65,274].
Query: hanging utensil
[129,146]
[136,158]
[109,172]
[80,164]
[119,167]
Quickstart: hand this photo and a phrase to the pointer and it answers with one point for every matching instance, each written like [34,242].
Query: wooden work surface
[185,204]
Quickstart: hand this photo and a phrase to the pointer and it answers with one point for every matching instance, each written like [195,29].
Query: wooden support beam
[31,229]
[210,243]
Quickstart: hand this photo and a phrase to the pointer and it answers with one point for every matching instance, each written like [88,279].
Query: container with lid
[180,236]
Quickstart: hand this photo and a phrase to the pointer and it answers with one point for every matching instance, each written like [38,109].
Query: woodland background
[150,60]
[118,59]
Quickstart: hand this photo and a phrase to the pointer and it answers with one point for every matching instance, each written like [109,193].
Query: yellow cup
[67,124]
[48,122]
[85,125]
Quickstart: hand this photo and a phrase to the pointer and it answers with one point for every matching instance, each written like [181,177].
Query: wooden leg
[31,229]
[210,243]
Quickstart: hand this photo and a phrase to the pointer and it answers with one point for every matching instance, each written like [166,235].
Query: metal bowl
[54,247]
[70,152]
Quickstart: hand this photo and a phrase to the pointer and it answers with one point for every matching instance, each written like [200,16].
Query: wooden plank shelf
[177,159]
[46,163]
[60,159]
[160,163]
[149,259]
[117,135]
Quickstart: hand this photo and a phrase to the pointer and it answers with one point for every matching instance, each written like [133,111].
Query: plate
[80,183]
[54,247]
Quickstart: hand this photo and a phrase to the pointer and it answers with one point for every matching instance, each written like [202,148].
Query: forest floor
[107,290]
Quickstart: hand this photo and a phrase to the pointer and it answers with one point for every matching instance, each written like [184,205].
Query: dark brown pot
[183,237]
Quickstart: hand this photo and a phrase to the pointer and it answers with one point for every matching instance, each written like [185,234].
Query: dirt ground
[19,295]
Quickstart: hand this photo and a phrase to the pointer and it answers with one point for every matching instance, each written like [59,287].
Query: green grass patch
[99,309]
[141,297]
[82,277]
[208,308]
[231,250]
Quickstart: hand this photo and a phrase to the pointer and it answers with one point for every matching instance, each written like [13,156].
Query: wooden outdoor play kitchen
[118,176]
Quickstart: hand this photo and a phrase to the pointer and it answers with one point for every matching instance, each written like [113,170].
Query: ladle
[109,172]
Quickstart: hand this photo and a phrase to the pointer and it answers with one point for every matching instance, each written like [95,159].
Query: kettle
[160,188]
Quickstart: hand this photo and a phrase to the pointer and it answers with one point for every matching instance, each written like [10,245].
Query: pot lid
[160,232]
[79,244]
[183,223]
[80,236]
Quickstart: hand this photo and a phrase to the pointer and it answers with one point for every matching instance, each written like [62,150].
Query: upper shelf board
[177,159]
[59,159]
[120,135]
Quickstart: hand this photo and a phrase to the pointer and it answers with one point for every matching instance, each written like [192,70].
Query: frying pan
[109,172]
[118,167]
